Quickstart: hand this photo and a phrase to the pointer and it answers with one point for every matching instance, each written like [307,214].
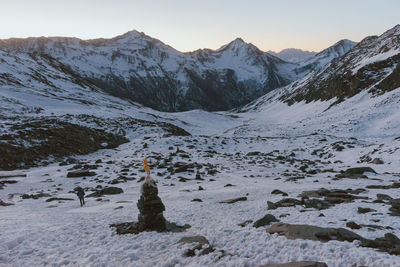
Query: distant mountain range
[370,66]
[139,68]
[293,54]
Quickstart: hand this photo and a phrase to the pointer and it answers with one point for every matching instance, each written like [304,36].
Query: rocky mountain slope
[137,67]
[372,66]
[324,57]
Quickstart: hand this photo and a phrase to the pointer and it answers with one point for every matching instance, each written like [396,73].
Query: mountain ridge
[140,68]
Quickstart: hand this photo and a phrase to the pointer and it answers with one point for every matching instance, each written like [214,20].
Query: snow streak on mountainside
[372,65]
[137,67]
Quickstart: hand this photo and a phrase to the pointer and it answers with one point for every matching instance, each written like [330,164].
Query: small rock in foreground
[297,264]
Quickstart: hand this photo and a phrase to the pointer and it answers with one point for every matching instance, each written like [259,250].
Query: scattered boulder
[183,179]
[34,196]
[198,176]
[243,224]
[297,264]
[335,196]
[362,210]
[286,202]
[80,173]
[383,197]
[279,192]
[377,161]
[359,170]
[353,225]
[395,209]
[266,220]
[202,244]
[253,153]
[4,204]
[233,200]
[355,173]
[106,191]
[3,183]
[389,243]
[379,186]
[303,231]
[316,203]
[10,174]
[57,199]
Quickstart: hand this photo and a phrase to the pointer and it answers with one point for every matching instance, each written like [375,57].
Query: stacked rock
[151,209]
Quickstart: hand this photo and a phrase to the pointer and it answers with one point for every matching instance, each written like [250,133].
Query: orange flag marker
[145,166]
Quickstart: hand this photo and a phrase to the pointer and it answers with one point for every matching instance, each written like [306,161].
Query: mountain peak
[344,42]
[237,44]
[338,49]
[238,40]
[134,34]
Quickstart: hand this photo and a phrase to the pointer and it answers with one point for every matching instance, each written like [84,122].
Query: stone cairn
[150,205]
[151,210]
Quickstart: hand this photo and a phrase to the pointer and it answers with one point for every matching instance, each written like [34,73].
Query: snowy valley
[314,142]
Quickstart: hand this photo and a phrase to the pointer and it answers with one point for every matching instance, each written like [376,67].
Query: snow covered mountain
[137,67]
[293,54]
[370,66]
[324,57]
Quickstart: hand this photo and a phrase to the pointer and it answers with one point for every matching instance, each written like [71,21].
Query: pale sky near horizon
[188,25]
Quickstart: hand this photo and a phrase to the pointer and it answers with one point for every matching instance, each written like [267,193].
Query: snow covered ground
[35,232]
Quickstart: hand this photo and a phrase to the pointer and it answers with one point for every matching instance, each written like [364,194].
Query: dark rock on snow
[389,243]
[243,224]
[35,196]
[233,200]
[380,186]
[315,203]
[286,202]
[57,199]
[202,244]
[353,225]
[106,191]
[383,197]
[395,209]
[359,170]
[80,173]
[297,264]
[4,204]
[377,161]
[266,220]
[364,210]
[302,231]
[279,192]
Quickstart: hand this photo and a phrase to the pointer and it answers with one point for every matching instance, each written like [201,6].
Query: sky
[188,25]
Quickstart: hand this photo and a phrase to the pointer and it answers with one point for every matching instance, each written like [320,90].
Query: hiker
[81,194]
